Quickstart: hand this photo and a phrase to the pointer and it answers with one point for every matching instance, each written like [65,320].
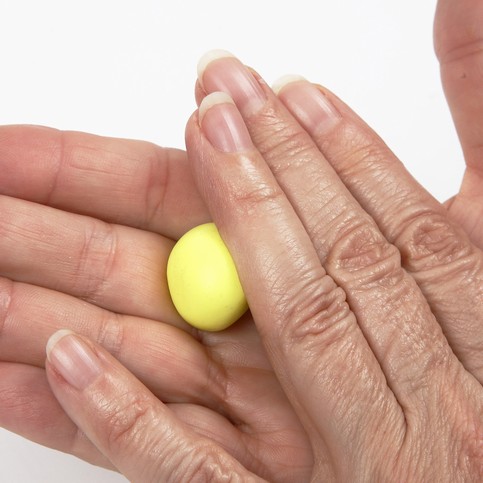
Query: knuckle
[134,426]
[110,333]
[279,139]
[205,463]
[429,241]
[362,256]
[288,150]
[255,196]
[157,184]
[6,303]
[217,382]
[62,159]
[97,258]
[128,423]
[360,151]
[316,311]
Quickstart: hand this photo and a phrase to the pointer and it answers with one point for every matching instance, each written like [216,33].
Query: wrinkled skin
[95,264]
[370,315]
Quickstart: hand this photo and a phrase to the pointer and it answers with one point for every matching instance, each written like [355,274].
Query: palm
[63,269]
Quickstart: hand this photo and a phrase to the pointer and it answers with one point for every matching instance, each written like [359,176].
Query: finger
[28,408]
[132,428]
[439,255]
[115,267]
[458,32]
[117,180]
[348,241]
[200,93]
[303,318]
[169,361]
[240,400]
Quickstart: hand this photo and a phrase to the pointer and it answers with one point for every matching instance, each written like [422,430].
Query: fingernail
[73,359]
[284,80]
[307,103]
[222,123]
[218,70]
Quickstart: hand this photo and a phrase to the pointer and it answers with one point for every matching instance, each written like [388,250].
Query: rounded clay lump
[203,281]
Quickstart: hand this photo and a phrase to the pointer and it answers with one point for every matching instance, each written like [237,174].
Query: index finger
[120,181]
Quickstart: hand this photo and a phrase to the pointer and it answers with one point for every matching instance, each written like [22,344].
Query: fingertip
[200,93]
[209,57]
[211,100]
[281,82]
[54,338]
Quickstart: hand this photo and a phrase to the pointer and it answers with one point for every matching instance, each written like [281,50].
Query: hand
[87,225]
[366,294]
[333,162]
[141,436]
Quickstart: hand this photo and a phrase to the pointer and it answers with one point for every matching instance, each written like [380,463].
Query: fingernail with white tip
[209,57]
[281,82]
[308,104]
[222,123]
[213,99]
[219,70]
[73,359]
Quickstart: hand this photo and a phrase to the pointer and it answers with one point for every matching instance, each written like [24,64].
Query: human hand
[87,226]
[366,294]
[458,32]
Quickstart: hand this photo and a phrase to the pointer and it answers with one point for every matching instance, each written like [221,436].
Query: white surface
[127,68]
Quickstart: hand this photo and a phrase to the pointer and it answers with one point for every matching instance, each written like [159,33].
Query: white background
[127,68]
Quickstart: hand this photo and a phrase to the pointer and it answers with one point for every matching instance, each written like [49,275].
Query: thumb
[128,424]
[458,36]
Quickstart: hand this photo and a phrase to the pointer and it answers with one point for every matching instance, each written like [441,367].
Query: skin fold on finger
[168,360]
[277,459]
[23,338]
[228,373]
[348,241]
[458,35]
[119,268]
[302,316]
[28,408]
[138,433]
[120,181]
[437,252]
[137,184]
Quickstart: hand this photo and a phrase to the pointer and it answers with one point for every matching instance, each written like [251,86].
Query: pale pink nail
[223,125]
[308,104]
[220,71]
[73,359]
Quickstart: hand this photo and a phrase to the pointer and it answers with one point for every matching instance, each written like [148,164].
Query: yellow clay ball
[203,281]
